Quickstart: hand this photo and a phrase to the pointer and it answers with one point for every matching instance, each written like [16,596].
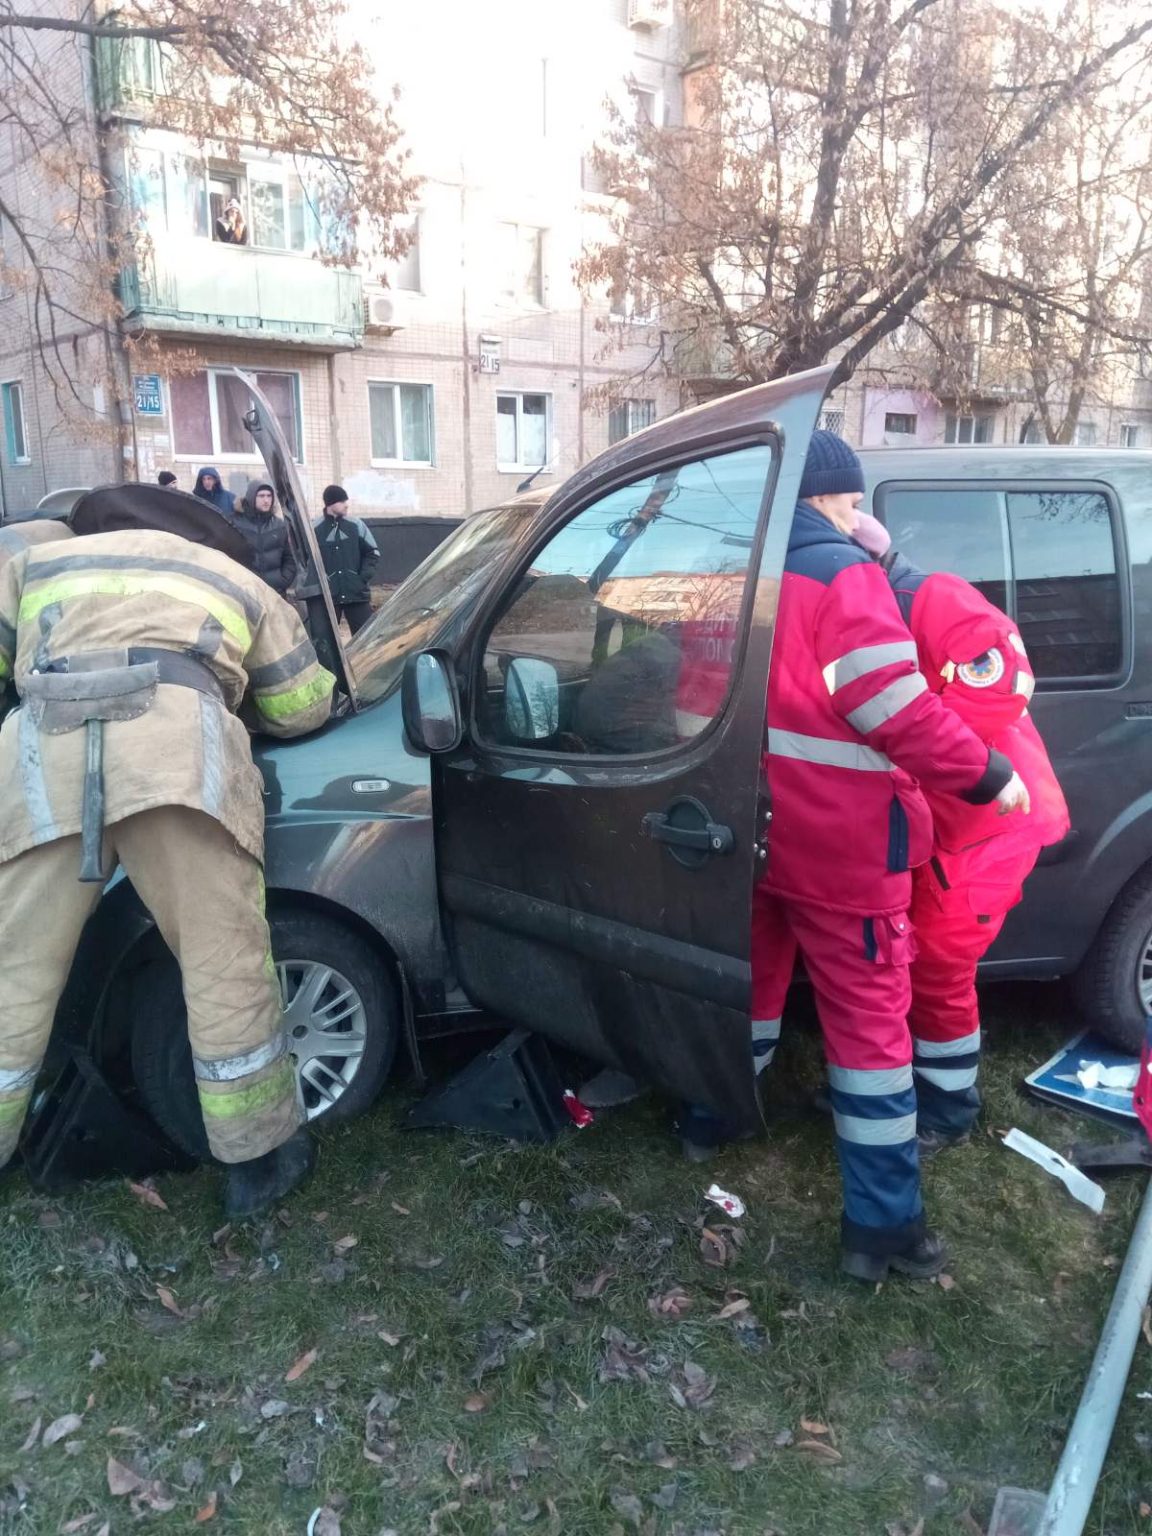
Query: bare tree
[282,74]
[842,164]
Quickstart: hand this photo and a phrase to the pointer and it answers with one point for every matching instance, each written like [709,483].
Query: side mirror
[430,703]
[531,699]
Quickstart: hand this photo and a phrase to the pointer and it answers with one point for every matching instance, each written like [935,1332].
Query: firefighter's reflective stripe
[940,1048]
[229,1068]
[888,702]
[266,1093]
[293,701]
[874,1133]
[33,780]
[36,596]
[864,659]
[284,669]
[820,749]
[950,1065]
[864,1080]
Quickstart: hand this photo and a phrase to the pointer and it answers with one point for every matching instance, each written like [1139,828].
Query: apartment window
[521,268]
[900,422]
[15,435]
[406,274]
[401,422]
[630,301]
[832,421]
[149,193]
[649,109]
[1085,434]
[1129,437]
[1032,433]
[1046,556]
[523,430]
[630,416]
[208,410]
[968,429]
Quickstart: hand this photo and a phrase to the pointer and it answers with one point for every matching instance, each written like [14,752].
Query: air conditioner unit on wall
[384,312]
[649,13]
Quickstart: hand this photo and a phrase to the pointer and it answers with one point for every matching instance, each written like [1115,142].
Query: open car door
[599,814]
[311,585]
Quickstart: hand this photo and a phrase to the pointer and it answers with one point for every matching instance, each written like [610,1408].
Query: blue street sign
[149,394]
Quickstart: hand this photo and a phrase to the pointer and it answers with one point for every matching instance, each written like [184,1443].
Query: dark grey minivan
[573,842]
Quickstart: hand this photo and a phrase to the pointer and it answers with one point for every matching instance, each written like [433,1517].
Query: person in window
[851,726]
[230,226]
[254,517]
[974,661]
[350,556]
[209,488]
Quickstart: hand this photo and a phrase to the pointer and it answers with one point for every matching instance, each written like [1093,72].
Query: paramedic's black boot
[929,1142]
[253,1186]
[926,1257]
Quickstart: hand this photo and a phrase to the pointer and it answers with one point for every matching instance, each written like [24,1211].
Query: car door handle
[709,838]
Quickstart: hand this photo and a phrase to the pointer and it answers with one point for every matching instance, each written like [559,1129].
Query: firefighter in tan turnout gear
[131,652]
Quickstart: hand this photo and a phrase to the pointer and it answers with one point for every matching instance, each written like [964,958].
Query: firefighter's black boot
[253,1186]
[926,1257]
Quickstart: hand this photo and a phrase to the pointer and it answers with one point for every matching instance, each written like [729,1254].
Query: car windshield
[409,620]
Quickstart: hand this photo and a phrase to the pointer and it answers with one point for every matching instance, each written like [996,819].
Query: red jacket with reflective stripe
[973,657]
[851,726]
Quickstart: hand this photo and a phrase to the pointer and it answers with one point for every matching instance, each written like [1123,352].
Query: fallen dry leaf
[343,1244]
[818,1449]
[713,1249]
[591,1290]
[68,1424]
[122,1479]
[98,1359]
[48,1219]
[207,1511]
[81,1523]
[733,1308]
[477,1402]
[33,1434]
[1145,1511]
[814,1427]
[391,1339]
[673,1303]
[945,1282]
[166,1299]
[148,1196]
[305,1363]
[401,1210]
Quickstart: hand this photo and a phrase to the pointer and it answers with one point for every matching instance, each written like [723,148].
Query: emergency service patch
[983,671]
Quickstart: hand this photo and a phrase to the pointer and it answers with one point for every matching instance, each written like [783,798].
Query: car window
[415,613]
[962,531]
[1067,586]
[620,637]
[1047,557]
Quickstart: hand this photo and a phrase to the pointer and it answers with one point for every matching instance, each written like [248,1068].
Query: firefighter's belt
[92,688]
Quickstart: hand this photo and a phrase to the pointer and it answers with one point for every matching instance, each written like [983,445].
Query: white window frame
[628,313]
[518,300]
[412,222]
[216,456]
[15,459]
[971,441]
[636,89]
[911,431]
[1129,434]
[503,466]
[630,426]
[1085,427]
[430,395]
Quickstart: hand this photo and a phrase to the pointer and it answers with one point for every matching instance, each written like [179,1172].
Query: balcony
[204,290]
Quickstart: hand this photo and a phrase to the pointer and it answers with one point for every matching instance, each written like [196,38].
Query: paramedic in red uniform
[973,658]
[851,726]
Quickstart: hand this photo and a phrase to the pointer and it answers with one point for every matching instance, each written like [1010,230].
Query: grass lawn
[486,1339]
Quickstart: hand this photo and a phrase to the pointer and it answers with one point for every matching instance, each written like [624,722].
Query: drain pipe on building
[1074,1486]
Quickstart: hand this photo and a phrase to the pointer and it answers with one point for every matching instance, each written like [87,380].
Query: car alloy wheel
[327,1031]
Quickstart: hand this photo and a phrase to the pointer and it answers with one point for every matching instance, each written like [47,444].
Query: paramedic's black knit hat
[831,467]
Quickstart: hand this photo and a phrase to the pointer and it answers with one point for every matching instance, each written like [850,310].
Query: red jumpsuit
[972,656]
[851,727]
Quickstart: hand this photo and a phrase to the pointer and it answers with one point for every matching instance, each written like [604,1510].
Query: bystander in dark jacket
[350,556]
[266,534]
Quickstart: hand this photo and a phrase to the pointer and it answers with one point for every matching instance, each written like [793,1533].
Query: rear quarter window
[1048,556]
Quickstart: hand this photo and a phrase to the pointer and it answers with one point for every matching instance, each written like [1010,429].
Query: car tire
[1119,964]
[304,947]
